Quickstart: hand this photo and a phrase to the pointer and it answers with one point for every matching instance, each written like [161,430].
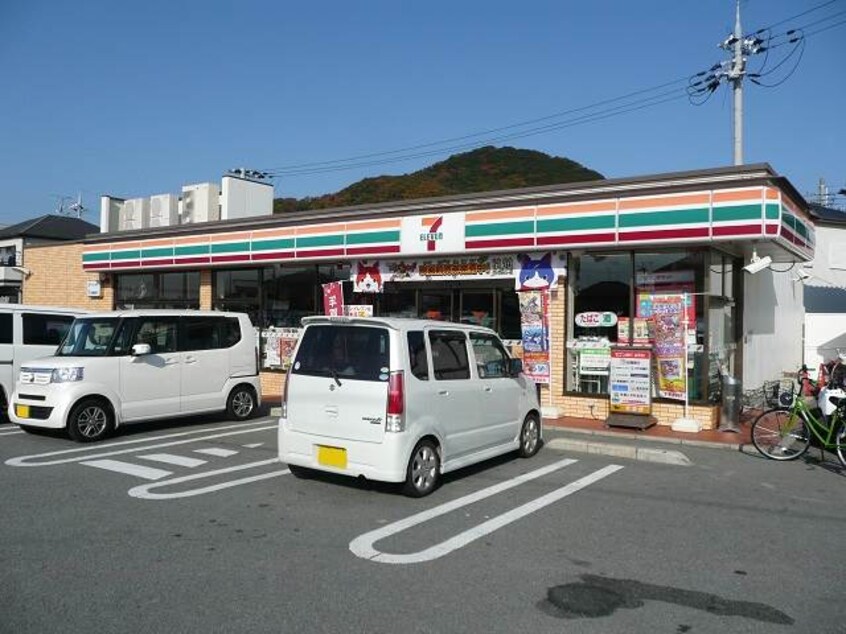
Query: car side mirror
[140,349]
[515,367]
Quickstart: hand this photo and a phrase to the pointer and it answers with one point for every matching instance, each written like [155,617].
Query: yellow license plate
[332,456]
[22,411]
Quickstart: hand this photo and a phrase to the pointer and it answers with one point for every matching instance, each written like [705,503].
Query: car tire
[530,436]
[90,420]
[423,473]
[241,404]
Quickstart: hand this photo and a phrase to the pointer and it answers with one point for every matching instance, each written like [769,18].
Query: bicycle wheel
[780,435]
[840,448]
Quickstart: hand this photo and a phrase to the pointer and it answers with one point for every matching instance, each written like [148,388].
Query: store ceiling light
[756,264]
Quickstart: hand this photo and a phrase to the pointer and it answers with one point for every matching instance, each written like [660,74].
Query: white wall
[773,317]
[824,334]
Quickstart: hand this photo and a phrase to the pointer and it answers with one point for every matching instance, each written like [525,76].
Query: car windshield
[88,338]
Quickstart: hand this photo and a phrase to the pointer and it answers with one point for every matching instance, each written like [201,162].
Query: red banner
[333,299]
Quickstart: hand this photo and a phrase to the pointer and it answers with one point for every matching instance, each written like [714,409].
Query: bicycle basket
[778,393]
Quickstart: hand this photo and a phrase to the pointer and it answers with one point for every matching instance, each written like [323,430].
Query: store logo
[434,234]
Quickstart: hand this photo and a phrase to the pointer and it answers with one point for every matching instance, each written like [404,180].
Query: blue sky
[134,99]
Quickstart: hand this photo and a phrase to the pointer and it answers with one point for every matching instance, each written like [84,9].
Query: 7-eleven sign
[435,233]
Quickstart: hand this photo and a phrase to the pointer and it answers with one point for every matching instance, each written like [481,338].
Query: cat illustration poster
[539,271]
[367,277]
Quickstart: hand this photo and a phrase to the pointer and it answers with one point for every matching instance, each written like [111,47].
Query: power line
[588,118]
[484,133]
[798,15]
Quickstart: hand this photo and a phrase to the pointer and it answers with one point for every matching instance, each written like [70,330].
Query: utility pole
[734,71]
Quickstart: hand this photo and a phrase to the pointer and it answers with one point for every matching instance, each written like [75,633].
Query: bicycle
[784,433]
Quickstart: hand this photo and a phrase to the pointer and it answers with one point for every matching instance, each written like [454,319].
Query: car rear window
[345,352]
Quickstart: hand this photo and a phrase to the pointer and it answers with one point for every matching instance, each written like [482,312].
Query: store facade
[585,271]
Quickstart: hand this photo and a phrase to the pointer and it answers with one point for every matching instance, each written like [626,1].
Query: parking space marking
[362,546]
[179,461]
[148,473]
[220,453]
[97,452]
[11,432]
[253,445]
[145,491]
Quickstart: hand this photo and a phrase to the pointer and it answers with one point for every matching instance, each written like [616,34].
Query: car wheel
[241,403]
[530,436]
[424,470]
[90,420]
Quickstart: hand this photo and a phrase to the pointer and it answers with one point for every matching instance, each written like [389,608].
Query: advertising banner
[539,271]
[534,323]
[358,310]
[668,326]
[631,381]
[333,299]
[594,361]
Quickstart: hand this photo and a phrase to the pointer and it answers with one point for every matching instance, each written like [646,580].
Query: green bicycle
[784,433]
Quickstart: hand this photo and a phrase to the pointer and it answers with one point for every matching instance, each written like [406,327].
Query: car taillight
[395,412]
[285,395]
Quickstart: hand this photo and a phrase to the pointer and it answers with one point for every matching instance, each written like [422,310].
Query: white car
[127,366]
[403,400]
[28,332]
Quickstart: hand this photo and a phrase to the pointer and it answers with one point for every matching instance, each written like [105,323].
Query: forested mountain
[486,169]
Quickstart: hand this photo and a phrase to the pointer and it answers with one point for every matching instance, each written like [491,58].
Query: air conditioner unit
[200,203]
[163,210]
[134,215]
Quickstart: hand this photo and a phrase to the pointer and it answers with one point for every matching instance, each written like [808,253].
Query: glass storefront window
[436,304]
[238,291]
[477,308]
[288,295]
[174,290]
[398,301]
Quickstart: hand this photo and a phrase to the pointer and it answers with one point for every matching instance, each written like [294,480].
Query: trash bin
[732,402]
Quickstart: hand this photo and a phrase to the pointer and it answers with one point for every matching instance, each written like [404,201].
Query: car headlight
[63,375]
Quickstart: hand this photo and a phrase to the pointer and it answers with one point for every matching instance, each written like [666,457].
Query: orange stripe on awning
[275,233]
[608,206]
[94,248]
[373,224]
[752,195]
[319,229]
[664,201]
[164,242]
[505,214]
[230,237]
[192,240]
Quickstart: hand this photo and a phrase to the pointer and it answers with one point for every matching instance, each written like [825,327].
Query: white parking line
[179,461]
[362,546]
[220,453]
[253,445]
[148,473]
[24,461]
[144,491]
[11,432]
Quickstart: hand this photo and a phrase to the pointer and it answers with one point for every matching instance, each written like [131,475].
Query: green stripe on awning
[230,247]
[500,228]
[197,249]
[576,224]
[772,212]
[373,236]
[162,252]
[320,241]
[737,212]
[101,256]
[663,218]
[274,245]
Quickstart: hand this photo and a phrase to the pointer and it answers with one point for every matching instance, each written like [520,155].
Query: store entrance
[492,304]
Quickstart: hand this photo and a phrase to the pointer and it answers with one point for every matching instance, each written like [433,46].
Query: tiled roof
[50,227]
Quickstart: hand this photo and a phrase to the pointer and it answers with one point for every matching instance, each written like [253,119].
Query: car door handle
[443,392]
[488,388]
[190,360]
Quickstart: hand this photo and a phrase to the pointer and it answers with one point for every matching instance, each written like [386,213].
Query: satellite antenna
[75,209]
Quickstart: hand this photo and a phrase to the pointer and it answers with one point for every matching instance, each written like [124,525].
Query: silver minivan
[403,400]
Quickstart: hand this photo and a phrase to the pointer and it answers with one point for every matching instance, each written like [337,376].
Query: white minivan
[403,400]
[28,332]
[127,366]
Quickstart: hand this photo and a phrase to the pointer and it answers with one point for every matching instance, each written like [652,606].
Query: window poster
[534,323]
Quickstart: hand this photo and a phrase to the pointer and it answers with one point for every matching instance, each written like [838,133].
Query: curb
[641,439]
[645,454]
